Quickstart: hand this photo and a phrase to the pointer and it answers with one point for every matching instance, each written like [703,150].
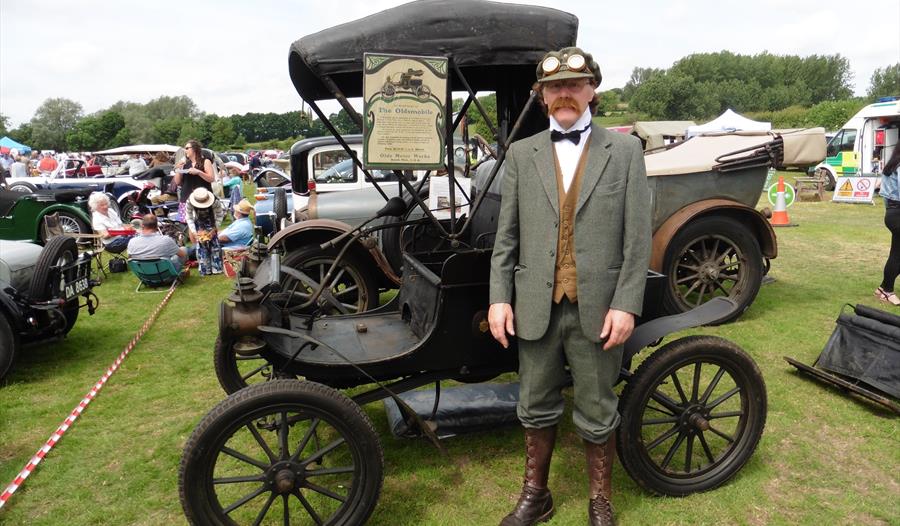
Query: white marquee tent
[728,122]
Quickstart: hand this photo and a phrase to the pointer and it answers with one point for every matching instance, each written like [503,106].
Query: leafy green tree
[189,130]
[22,134]
[52,121]
[138,124]
[142,120]
[476,121]
[833,114]
[884,82]
[608,102]
[828,77]
[166,107]
[4,122]
[96,132]
[168,130]
[674,97]
[223,134]
[764,81]
[343,123]
[638,77]
[783,96]
[733,93]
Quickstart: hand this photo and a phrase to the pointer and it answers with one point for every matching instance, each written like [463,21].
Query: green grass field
[825,458]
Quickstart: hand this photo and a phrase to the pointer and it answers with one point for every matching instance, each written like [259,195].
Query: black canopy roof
[493,43]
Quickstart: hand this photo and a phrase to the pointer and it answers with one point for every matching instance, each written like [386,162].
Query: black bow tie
[574,135]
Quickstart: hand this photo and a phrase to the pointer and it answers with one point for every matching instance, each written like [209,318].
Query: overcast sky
[231,56]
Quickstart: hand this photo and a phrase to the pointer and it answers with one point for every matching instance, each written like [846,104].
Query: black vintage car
[295,448]
[42,291]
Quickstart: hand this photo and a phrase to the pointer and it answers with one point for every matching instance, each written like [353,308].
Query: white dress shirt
[568,152]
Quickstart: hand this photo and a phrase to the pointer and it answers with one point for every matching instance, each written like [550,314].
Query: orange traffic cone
[780,215]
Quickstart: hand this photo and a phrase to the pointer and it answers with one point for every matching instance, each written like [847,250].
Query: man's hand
[617,327]
[500,319]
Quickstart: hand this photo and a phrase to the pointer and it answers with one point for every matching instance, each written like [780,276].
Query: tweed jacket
[612,232]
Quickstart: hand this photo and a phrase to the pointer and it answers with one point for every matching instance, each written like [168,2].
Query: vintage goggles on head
[551,65]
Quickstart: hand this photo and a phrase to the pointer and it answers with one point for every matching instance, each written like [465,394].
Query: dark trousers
[118,244]
[892,266]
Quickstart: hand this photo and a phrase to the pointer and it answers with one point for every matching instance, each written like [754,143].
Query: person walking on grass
[572,301]
[890,192]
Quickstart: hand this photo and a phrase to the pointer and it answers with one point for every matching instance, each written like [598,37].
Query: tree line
[787,90]
[60,124]
[703,85]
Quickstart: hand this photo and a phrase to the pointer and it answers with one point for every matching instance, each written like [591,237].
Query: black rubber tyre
[236,371]
[279,208]
[301,441]
[58,250]
[353,287]
[712,256]
[9,346]
[721,410]
[23,187]
[127,210]
[70,311]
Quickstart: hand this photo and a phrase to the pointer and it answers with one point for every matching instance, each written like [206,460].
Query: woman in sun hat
[203,213]
[194,171]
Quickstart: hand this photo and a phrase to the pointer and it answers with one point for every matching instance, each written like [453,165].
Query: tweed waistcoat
[565,282]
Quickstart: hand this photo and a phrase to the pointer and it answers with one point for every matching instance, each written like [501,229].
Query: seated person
[105,219]
[153,245]
[240,232]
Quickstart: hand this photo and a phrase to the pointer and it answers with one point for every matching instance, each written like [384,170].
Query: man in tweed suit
[567,275]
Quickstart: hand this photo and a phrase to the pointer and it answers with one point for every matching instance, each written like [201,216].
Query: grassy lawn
[824,459]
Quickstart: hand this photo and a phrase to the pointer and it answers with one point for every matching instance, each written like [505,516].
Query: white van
[863,144]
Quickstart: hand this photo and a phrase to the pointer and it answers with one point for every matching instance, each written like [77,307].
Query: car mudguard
[646,333]
[757,222]
[318,231]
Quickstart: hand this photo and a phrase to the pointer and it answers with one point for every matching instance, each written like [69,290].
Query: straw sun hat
[202,198]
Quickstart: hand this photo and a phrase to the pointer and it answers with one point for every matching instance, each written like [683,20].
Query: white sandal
[887,297]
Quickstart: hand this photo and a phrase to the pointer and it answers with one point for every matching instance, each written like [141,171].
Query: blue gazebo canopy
[11,144]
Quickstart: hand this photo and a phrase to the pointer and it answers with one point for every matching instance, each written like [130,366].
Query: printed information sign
[404,122]
[855,189]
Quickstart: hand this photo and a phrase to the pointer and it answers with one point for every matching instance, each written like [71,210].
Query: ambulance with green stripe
[857,147]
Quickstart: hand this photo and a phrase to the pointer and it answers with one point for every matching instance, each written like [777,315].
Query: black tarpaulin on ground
[866,346]
[462,409]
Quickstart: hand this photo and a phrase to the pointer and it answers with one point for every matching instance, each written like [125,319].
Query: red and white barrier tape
[61,430]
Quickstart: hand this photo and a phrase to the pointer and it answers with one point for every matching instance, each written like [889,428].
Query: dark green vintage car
[22,215]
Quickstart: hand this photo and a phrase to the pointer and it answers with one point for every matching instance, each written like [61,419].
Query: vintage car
[71,175]
[22,214]
[41,293]
[708,237]
[319,167]
[295,448]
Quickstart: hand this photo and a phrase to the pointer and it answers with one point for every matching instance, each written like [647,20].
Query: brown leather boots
[536,504]
[600,460]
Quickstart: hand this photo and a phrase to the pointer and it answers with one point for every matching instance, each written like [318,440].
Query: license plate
[76,287]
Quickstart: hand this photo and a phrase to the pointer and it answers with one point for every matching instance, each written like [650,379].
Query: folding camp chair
[154,273]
